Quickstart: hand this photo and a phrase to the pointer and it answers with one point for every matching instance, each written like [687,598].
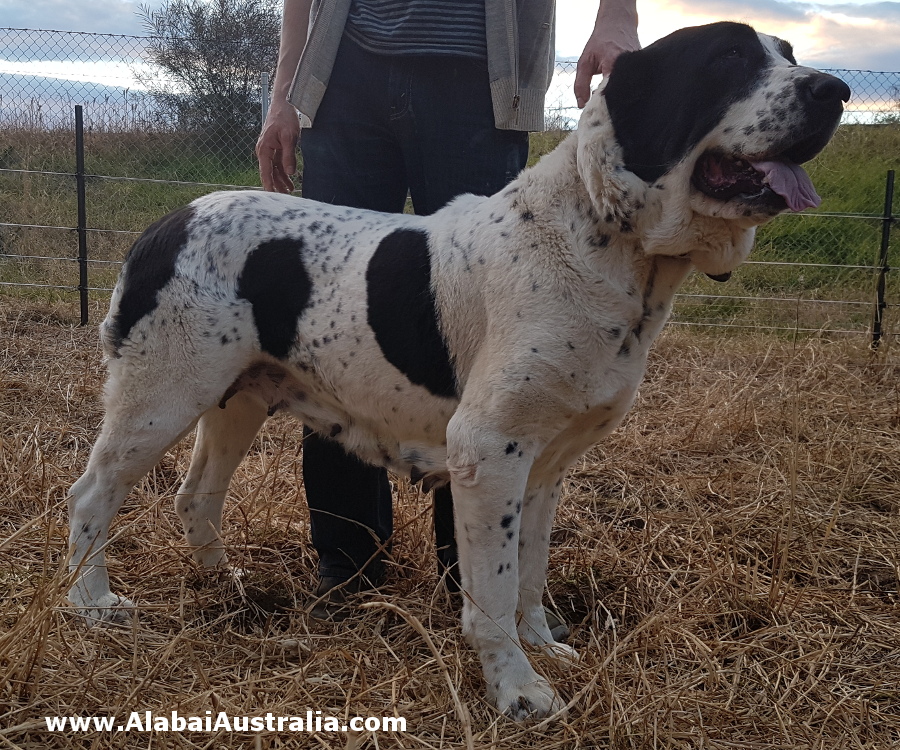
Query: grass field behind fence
[849,174]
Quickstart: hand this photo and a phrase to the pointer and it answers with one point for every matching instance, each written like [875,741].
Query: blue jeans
[388,126]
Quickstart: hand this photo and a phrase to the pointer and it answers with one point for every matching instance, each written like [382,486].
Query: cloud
[866,44]
[777,11]
[772,11]
[887,11]
[107,17]
[830,35]
[100,16]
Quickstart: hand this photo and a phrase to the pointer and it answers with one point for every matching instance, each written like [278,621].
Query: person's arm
[277,144]
[615,31]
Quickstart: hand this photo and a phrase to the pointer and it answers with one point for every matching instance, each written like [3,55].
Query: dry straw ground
[729,560]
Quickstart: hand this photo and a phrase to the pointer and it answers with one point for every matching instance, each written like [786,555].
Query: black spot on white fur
[275,282]
[402,311]
[149,266]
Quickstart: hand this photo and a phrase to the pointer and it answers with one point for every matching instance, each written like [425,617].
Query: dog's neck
[607,245]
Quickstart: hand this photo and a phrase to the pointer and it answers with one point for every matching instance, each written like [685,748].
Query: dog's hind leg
[131,442]
[145,415]
[224,435]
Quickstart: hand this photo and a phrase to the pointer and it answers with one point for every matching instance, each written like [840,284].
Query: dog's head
[699,137]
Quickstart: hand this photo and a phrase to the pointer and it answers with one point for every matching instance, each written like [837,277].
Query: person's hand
[614,33]
[276,148]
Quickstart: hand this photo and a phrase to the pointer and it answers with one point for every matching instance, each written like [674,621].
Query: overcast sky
[828,33]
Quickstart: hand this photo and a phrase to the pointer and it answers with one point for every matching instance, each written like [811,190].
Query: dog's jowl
[488,345]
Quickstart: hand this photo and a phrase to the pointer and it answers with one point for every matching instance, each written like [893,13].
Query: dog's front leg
[538,512]
[489,472]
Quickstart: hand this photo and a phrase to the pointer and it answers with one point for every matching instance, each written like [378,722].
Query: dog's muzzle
[775,179]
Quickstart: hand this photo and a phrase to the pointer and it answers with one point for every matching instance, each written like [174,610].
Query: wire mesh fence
[814,272]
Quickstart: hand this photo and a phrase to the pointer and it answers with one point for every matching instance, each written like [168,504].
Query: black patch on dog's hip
[149,266]
[275,282]
[402,312]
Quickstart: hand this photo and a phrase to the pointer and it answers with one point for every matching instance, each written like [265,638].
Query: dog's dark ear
[632,100]
[665,98]
[614,191]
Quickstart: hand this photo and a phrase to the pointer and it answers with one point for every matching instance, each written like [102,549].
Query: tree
[208,56]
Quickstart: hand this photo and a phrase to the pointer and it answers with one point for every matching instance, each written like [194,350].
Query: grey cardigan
[520,48]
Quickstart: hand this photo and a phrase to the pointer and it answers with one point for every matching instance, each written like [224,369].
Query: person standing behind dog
[424,97]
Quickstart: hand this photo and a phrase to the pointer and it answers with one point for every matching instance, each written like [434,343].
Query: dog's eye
[732,53]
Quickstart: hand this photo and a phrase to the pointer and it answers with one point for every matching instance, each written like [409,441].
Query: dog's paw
[535,699]
[210,558]
[542,628]
[109,609]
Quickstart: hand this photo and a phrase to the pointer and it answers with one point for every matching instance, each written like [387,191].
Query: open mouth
[775,182]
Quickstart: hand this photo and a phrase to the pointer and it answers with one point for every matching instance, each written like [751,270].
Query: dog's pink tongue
[791,182]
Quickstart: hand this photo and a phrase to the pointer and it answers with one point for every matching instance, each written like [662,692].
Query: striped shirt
[419,27]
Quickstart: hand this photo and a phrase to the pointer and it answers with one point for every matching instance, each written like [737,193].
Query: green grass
[849,174]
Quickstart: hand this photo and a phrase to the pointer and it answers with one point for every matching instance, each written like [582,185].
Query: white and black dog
[488,345]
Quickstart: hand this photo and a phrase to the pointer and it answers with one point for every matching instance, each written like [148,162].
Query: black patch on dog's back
[665,98]
[402,311]
[149,266]
[274,280]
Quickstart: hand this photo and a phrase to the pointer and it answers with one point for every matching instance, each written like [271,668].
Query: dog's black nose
[823,87]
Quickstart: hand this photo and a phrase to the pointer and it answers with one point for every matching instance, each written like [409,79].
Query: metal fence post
[883,268]
[81,227]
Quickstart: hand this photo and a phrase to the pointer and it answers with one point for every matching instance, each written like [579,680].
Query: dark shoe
[445,541]
[330,600]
